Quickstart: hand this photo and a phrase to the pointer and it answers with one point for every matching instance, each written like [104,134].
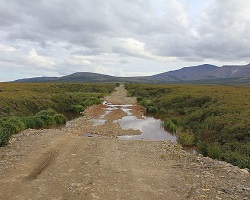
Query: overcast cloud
[117,37]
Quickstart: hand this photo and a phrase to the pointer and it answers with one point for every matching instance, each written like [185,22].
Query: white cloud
[75,60]
[39,61]
[109,71]
[7,49]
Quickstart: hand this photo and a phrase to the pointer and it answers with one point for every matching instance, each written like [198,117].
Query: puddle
[127,111]
[97,122]
[100,121]
[68,123]
[150,127]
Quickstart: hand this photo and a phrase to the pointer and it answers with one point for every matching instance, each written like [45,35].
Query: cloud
[7,49]
[109,71]
[223,31]
[39,61]
[64,36]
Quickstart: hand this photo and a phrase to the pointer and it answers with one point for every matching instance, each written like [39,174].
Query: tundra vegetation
[215,119]
[38,105]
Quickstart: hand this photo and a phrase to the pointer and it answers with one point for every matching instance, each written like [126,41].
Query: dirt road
[62,164]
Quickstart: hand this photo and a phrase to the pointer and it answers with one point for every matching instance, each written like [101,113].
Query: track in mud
[46,160]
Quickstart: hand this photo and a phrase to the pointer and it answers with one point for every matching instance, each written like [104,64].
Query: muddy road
[65,164]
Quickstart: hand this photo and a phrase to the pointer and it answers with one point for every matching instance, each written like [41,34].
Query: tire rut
[45,161]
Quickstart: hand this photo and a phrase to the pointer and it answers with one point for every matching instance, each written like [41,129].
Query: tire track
[46,161]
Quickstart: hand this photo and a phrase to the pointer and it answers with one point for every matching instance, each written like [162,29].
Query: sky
[120,37]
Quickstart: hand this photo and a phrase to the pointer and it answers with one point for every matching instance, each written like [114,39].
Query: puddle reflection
[150,127]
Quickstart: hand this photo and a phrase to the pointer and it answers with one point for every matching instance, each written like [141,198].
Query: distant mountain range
[195,74]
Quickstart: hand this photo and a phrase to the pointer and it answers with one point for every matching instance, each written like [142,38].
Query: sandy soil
[62,164]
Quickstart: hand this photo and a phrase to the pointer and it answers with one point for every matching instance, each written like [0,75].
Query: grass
[29,98]
[13,125]
[38,105]
[214,118]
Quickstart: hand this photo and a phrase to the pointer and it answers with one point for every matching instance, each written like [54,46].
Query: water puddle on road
[151,128]
[97,122]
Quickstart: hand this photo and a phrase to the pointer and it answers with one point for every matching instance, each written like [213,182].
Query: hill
[185,74]
[205,73]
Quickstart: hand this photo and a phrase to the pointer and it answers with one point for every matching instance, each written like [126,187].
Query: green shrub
[76,108]
[48,112]
[169,125]
[47,116]
[176,121]
[152,109]
[181,111]
[29,122]
[12,124]
[162,111]
[186,138]
[97,101]
[139,98]
[43,118]
[39,122]
[236,158]
[50,120]
[90,102]
[6,110]
[202,147]
[200,101]
[60,118]
[146,103]
[4,136]
[9,126]
[214,151]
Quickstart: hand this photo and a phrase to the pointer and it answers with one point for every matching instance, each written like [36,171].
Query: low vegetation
[12,125]
[213,118]
[38,105]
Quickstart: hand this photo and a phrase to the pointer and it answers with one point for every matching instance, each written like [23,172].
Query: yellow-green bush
[12,125]
[24,99]
[36,105]
[169,125]
[186,138]
[217,116]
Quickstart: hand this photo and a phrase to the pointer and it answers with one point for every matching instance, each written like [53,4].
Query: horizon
[127,76]
[114,75]
[122,39]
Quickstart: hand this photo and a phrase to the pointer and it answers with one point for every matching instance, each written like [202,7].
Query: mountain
[38,79]
[230,71]
[76,77]
[205,73]
[86,77]
[185,74]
